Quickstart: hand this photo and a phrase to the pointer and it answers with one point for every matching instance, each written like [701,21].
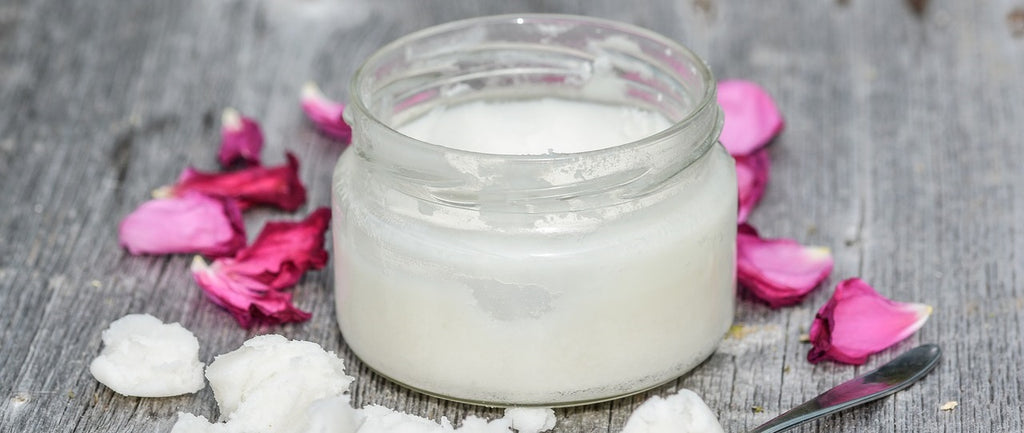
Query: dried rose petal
[752,172]
[325,113]
[277,186]
[283,251]
[192,223]
[244,300]
[778,271]
[240,139]
[751,117]
[857,322]
[249,284]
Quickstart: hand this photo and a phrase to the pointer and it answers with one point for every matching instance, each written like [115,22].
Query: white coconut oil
[522,248]
[540,126]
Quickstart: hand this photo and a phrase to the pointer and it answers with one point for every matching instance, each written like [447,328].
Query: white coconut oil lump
[268,386]
[332,415]
[144,357]
[335,415]
[531,419]
[683,412]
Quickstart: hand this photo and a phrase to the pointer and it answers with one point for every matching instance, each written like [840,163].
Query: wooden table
[902,153]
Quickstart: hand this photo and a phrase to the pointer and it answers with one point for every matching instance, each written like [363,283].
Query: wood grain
[901,153]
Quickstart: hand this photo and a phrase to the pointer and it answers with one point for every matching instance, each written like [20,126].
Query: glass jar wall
[502,275]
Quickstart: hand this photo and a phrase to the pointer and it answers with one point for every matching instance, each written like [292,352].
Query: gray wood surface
[902,153]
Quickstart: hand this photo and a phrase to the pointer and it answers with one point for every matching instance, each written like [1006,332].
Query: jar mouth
[526,57]
[360,91]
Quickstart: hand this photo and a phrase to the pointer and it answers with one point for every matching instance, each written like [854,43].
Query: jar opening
[515,57]
[530,58]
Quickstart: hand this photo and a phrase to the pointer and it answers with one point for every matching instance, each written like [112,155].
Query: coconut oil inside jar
[534,127]
[533,250]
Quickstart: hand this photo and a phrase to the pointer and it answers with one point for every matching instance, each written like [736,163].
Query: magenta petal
[282,252]
[857,322]
[248,303]
[240,139]
[249,284]
[751,117]
[277,186]
[325,113]
[779,271]
[192,223]
[752,173]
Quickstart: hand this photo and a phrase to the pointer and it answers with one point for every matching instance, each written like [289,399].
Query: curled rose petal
[283,251]
[249,284]
[857,322]
[325,113]
[246,304]
[240,139]
[751,117]
[752,172]
[277,186]
[192,223]
[779,271]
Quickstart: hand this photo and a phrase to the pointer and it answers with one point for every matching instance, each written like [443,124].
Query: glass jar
[541,279]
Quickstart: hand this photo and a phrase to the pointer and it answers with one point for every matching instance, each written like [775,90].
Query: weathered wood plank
[901,153]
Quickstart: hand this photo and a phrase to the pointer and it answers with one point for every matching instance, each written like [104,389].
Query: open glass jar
[534,279]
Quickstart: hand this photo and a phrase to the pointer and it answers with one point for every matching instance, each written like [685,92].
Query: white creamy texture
[540,319]
[534,127]
[379,419]
[272,385]
[683,412]
[143,357]
[268,385]
[531,419]
[334,415]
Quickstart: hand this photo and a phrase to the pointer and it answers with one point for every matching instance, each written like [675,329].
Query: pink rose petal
[325,113]
[752,172]
[751,117]
[192,223]
[244,300]
[283,251]
[249,284]
[779,271]
[241,139]
[277,186]
[857,322]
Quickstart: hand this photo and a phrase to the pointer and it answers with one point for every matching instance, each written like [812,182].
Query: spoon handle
[896,375]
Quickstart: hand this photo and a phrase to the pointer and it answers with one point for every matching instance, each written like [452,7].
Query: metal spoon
[894,376]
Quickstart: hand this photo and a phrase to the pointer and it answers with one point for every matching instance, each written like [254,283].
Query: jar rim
[706,101]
